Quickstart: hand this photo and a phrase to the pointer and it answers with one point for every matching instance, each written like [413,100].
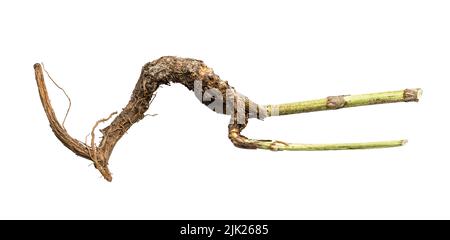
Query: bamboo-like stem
[346,101]
[329,103]
[241,141]
[281,146]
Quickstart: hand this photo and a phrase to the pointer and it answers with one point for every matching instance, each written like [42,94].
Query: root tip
[108,178]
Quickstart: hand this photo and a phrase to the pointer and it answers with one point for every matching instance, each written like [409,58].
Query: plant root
[217,95]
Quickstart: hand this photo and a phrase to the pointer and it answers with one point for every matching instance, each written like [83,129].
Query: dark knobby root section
[217,95]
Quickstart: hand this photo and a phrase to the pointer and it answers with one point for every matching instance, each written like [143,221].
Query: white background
[180,163]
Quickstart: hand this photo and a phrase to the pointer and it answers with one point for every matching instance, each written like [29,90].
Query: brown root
[189,72]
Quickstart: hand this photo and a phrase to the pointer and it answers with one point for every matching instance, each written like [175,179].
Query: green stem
[281,146]
[329,103]
[337,102]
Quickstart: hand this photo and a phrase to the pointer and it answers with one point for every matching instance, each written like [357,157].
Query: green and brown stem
[329,103]
[344,101]
[197,77]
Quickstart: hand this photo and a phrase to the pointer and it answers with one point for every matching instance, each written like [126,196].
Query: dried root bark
[219,96]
